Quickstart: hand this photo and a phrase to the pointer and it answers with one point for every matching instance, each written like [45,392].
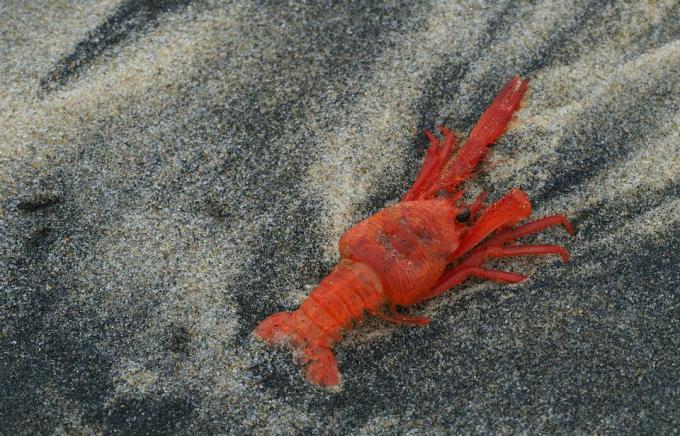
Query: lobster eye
[463,215]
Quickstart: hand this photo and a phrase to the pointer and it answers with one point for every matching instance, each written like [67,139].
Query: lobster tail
[321,367]
[340,299]
[275,329]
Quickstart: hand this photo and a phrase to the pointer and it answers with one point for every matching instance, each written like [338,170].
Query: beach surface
[173,172]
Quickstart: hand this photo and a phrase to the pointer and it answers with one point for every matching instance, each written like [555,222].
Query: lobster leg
[478,257]
[444,171]
[463,272]
[504,213]
[478,204]
[437,155]
[471,267]
[491,125]
[399,318]
[510,235]
[507,211]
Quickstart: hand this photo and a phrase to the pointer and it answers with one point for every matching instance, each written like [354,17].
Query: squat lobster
[418,248]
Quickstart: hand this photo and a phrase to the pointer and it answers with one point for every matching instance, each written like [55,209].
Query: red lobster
[418,248]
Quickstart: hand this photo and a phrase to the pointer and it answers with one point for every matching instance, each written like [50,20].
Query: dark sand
[170,175]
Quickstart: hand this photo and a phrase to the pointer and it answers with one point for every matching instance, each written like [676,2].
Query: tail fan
[320,365]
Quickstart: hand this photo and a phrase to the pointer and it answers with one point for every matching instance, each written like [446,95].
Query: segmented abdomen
[339,299]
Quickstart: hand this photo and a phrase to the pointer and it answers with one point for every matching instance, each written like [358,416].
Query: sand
[173,172]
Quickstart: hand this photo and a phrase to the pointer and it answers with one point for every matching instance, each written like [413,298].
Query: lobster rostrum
[417,249]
